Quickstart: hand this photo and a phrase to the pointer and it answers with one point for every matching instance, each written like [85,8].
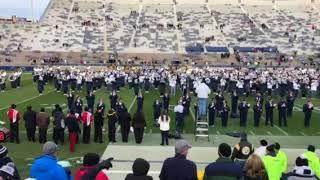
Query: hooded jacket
[46,167]
[300,173]
[140,170]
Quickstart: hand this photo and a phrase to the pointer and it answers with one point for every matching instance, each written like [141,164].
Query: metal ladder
[201,129]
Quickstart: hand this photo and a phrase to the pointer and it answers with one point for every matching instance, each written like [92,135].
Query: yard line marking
[131,105]
[150,131]
[44,104]
[303,134]
[218,132]
[269,133]
[192,114]
[29,99]
[252,133]
[2,122]
[280,129]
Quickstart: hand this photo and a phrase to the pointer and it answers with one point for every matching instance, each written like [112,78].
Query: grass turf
[24,153]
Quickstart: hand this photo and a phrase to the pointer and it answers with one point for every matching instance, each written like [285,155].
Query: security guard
[313,160]
[282,108]
[243,109]
[257,111]
[272,163]
[242,150]
[269,112]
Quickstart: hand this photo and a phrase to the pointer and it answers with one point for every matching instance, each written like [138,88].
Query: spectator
[14,118]
[313,160]
[242,150]
[261,151]
[282,157]
[224,168]
[178,167]
[89,161]
[43,123]
[30,123]
[164,122]
[301,171]
[46,166]
[272,163]
[140,170]
[7,161]
[58,124]
[254,169]
[7,173]
[138,123]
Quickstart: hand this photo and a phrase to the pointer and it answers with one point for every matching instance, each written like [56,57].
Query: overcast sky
[22,8]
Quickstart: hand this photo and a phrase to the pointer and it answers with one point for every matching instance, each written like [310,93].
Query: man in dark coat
[224,167]
[234,105]
[140,170]
[156,111]
[224,113]
[257,111]
[70,100]
[30,123]
[90,101]
[243,109]
[98,124]
[307,110]
[112,119]
[138,124]
[113,99]
[58,124]
[282,108]
[269,106]
[178,167]
[124,121]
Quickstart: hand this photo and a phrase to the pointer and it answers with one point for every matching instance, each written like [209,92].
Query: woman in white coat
[164,122]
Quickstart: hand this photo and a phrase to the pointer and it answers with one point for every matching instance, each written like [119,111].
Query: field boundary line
[281,130]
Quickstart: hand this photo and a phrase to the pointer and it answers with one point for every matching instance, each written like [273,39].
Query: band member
[234,104]
[98,124]
[156,111]
[101,106]
[41,84]
[243,109]
[290,103]
[269,112]
[282,108]
[212,113]
[112,119]
[113,99]
[225,113]
[140,99]
[78,105]
[307,109]
[14,118]
[186,100]
[257,111]
[70,100]
[90,101]
[166,102]
[124,121]
[87,120]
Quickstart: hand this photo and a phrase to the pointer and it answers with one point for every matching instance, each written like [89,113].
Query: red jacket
[13,115]
[86,118]
[84,169]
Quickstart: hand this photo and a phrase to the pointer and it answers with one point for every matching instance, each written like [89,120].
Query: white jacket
[164,125]
[203,91]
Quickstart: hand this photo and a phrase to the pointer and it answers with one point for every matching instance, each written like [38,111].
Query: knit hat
[224,150]
[3,151]
[90,159]
[311,148]
[301,161]
[49,148]
[263,142]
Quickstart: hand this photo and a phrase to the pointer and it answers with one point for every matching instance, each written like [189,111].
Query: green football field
[24,152]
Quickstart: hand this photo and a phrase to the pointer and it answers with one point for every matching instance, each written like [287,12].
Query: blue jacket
[45,167]
[223,168]
[178,168]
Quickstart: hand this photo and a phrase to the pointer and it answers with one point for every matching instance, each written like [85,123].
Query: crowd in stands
[267,162]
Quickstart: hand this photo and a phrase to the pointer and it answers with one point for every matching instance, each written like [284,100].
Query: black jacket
[140,170]
[72,124]
[30,119]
